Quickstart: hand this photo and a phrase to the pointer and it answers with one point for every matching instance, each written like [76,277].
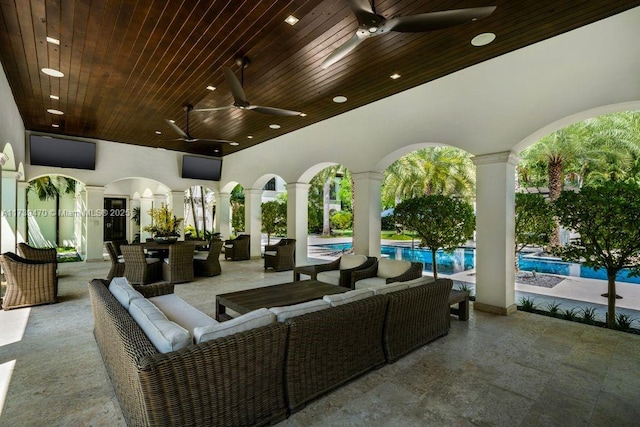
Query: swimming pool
[463,259]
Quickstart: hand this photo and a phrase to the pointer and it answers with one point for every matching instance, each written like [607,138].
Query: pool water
[463,259]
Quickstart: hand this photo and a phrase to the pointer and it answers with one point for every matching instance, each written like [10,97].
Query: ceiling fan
[186,136]
[240,99]
[371,24]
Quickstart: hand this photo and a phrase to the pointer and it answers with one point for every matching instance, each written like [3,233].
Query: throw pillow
[165,335]
[392,267]
[123,291]
[351,261]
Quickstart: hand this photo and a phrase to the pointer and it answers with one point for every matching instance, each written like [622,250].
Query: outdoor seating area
[238,249]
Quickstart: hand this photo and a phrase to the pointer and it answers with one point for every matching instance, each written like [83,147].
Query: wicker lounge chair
[29,282]
[207,263]
[386,271]
[343,275]
[281,256]
[117,262]
[37,254]
[178,267]
[237,249]
[137,268]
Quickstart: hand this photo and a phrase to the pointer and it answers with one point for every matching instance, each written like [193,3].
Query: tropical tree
[322,183]
[274,218]
[606,218]
[441,222]
[52,187]
[436,170]
[533,223]
[237,208]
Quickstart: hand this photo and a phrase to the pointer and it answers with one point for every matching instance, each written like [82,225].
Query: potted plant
[165,226]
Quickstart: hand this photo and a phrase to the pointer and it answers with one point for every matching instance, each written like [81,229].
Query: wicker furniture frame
[240,248]
[179,268]
[37,254]
[136,268]
[29,282]
[413,272]
[284,258]
[231,381]
[415,317]
[117,264]
[211,265]
[345,275]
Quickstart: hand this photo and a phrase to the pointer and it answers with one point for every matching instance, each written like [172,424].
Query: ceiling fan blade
[273,110]
[437,20]
[363,11]
[236,88]
[179,131]
[228,107]
[217,141]
[345,48]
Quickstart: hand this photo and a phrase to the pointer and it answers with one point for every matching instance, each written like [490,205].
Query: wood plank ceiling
[130,64]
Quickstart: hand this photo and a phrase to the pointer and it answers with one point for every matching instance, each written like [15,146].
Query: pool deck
[578,292]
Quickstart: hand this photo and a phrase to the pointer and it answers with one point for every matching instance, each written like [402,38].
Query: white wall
[11,125]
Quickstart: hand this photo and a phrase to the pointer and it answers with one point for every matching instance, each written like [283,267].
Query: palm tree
[52,187]
[326,177]
[438,170]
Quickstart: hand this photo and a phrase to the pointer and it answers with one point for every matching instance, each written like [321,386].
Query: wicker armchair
[281,256]
[37,254]
[386,271]
[238,249]
[116,245]
[29,282]
[342,275]
[137,268]
[178,268]
[208,263]
[117,262]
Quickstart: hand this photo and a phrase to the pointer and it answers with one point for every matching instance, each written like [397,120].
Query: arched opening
[199,213]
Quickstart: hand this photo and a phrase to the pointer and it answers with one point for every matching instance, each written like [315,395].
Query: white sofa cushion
[347,297]
[419,281]
[166,335]
[370,282]
[391,287]
[201,255]
[351,261]
[123,291]
[152,260]
[392,267]
[251,320]
[332,277]
[179,311]
[271,253]
[283,313]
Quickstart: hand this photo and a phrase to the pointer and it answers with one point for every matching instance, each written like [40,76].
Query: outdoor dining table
[162,249]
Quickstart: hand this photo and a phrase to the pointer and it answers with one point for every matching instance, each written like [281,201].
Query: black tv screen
[62,153]
[208,168]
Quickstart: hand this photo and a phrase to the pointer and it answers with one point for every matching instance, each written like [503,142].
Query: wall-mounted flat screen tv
[62,153]
[208,168]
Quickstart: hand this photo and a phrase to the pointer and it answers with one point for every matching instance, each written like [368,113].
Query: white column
[176,204]
[495,232]
[21,218]
[223,214]
[298,218]
[146,203]
[8,233]
[94,231]
[366,216]
[253,219]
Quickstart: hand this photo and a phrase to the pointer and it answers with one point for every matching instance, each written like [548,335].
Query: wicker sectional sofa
[259,376]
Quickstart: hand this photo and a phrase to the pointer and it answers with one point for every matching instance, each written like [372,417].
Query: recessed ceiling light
[216,151]
[483,39]
[55,125]
[250,137]
[274,126]
[211,88]
[158,132]
[291,20]
[340,99]
[53,41]
[54,111]
[54,97]
[233,143]
[395,76]
[51,72]
[303,114]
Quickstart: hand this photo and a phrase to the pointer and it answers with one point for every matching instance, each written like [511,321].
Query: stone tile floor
[525,369]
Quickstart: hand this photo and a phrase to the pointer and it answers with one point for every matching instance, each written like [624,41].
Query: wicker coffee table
[273,296]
